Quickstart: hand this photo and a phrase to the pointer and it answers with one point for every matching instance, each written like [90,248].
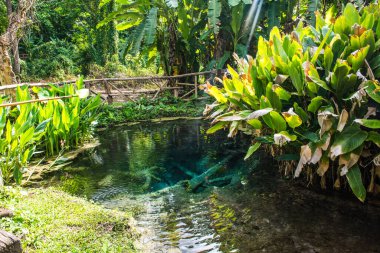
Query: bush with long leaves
[313,95]
[46,127]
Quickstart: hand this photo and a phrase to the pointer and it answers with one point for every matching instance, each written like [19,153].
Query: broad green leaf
[351,14]
[273,98]
[315,104]
[370,123]
[17,174]
[311,136]
[368,21]
[351,138]
[218,126]
[374,137]
[150,28]
[26,137]
[300,112]
[237,13]
[278,48]
[275,121]
[3,118]
[217,94]
[252,150]
[296,74]
[292,118]
[342,26]
[341,81]
[355,181]
[255,123]
[214,11]
[356,59]
[328,59]
[373,90]
[8,133]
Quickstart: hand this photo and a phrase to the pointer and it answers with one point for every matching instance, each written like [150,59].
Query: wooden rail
[108,85]
[143,78]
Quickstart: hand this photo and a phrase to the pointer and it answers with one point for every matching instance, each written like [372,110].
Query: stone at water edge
[5,213]
[9,243]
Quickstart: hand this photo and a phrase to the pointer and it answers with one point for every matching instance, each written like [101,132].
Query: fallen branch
[196,182]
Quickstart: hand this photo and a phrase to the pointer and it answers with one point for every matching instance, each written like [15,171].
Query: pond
[242,207]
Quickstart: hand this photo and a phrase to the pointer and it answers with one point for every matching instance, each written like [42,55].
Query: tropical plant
[71,120]
[312,92]
[18,139]
[53,125]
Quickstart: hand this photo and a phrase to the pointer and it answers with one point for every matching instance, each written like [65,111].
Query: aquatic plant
[312,96]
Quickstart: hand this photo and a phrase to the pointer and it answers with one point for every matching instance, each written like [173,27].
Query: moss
[48,220]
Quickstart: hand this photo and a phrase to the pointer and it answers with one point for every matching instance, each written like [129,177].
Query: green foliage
[3,17]
[145,109]
[320,70]
[47,218]
[52,126]
[214,11]
[64,40]
[55,58]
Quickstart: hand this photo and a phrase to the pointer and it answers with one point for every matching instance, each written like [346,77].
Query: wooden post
[9,243]
[196,87]
[107,87]
[176,91]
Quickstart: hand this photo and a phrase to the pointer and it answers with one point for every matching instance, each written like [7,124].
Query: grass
[146,109]
[49,220]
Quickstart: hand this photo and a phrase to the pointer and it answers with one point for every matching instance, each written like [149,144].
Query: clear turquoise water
[252,210]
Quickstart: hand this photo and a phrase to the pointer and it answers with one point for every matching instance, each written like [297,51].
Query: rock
[9,243]
[5,213]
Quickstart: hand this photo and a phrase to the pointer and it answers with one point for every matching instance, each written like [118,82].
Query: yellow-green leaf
[252,150]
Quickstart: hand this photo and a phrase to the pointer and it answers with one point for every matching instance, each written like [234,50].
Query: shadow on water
[140,169]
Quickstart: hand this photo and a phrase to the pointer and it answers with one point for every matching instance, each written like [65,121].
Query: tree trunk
[16,58]
[14,42]
[8,3]
[6,73]
[9,40]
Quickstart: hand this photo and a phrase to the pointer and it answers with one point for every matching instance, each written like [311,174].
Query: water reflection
[133,168]
[147,158]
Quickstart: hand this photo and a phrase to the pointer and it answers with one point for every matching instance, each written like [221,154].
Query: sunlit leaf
[315,104]
[348,140]
[292,118]
[218,126]
[252,150]
[370,123]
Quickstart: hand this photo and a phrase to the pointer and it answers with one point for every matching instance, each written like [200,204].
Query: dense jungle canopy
[66,38]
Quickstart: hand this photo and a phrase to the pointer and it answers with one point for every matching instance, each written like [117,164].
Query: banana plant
[313,92]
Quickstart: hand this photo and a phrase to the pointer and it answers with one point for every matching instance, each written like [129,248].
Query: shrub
[314,93]
[53,125]
[55,58]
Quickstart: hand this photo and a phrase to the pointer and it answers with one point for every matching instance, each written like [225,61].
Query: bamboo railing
[110,90]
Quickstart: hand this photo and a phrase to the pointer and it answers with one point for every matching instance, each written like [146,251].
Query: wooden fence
[131,88]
